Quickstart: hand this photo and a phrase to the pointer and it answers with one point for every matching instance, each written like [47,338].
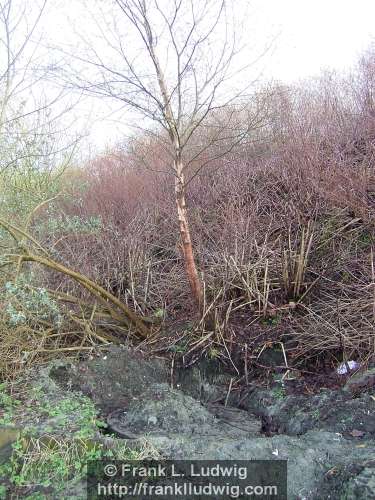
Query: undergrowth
[283,233]
[52,440]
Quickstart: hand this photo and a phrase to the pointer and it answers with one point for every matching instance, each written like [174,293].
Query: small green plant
[36,496]
[76,414]
[271,320]
[345,276]
[316,414]
[55,451]
[279,390]
[213,353]
[159,313]
[3,492]
[365,239]
[8,406]
[181,347]
[26,304]
[49,461]
[178,349]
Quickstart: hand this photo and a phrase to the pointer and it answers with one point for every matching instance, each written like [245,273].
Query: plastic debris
[343,368]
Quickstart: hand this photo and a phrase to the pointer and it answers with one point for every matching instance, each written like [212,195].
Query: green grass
[8,406]
[57,440]
[56,462]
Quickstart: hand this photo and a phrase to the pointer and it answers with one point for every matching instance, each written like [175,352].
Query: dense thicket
[283,226]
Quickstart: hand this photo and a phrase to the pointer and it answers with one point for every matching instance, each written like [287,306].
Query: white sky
[309,36]
[316,34]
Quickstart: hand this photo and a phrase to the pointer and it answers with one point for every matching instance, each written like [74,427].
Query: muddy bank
[328,439]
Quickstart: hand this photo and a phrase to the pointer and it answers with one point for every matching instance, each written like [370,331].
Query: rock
[328,438]
[335,411]
[310,457]
[162,411]
[205,380]
[124,374]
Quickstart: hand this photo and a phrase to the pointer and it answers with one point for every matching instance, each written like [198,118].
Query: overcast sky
[316,34]
[308,36]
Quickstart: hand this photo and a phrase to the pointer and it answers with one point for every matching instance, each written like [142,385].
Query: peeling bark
[187,246]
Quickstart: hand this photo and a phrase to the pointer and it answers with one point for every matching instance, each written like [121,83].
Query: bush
[279,221]
[282,227]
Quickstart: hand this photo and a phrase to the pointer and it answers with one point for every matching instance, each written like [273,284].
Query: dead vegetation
[37,321]
[283,230]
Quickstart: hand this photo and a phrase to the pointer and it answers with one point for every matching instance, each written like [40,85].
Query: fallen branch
[109,301]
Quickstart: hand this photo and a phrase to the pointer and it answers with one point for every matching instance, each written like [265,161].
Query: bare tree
[30,118]
[172,61]
[16,32]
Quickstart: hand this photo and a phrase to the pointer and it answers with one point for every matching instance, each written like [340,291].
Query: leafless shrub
[282,226]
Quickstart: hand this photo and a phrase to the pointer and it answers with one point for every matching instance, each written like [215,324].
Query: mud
[327,438]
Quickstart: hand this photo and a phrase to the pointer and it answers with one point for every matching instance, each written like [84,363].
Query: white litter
[343,368]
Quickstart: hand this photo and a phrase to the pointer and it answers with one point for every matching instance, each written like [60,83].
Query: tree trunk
[187,247]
